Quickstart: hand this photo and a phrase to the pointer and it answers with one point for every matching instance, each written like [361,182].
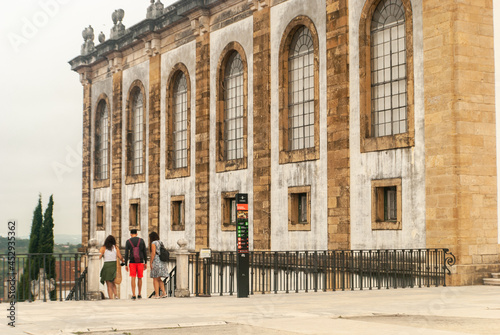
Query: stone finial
[155,9]
[118,29]
[93,244]
[182,243]
[88,37]
[102,37]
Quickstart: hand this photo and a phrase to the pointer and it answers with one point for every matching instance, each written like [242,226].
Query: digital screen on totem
[242,223]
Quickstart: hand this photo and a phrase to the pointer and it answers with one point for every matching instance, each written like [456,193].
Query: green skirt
[108,272]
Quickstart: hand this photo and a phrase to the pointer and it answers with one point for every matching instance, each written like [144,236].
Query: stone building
[351,124]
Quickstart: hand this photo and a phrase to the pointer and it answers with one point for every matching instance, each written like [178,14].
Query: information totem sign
[242,246]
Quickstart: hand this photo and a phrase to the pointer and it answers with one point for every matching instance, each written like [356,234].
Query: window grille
[180,121]
[102,141]
[388,69]
[390,208]
[137,134]
[301,90]
[233,107]
[302,202]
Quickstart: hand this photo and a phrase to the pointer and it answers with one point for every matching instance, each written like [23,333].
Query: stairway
[492,281]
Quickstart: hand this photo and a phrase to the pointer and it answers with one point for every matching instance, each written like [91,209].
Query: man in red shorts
[135,250]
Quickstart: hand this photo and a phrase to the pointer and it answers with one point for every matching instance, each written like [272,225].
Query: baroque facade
[351,124]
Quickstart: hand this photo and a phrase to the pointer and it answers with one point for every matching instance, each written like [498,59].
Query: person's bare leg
[113,288]
[110,289]
[132,280]
[162,286]
[156,286]
[139,285]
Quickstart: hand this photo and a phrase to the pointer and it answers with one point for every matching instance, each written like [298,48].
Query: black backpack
[164,254]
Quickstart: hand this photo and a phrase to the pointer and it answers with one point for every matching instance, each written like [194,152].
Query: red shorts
[136,269]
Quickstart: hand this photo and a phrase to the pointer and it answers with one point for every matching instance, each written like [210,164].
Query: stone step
[491,281]
[495,275]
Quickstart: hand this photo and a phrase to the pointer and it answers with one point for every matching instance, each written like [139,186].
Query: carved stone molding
[200,22]
[115,62]
[85,76]
[152,45]
[257,5]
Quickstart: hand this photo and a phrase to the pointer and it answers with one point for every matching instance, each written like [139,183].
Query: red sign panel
[242,207]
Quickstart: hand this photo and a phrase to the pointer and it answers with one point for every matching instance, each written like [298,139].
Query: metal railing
[50,276]
[79,291]
[170,284]
[305,271]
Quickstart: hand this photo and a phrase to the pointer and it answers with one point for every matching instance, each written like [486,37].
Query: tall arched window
[301,90]
[231,103]
[388,71]
[137,149]
[177,122]
[233,107]
[180,121]
[102,142]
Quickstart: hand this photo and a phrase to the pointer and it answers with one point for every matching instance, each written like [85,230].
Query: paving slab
[440,311]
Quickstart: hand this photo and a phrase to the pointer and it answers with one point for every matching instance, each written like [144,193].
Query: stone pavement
[442,310]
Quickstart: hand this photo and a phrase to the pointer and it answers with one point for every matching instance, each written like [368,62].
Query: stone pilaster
[262,129]
[86,161]
[154,143]
[202,132]
[460,135]
[116,158]
[337,45]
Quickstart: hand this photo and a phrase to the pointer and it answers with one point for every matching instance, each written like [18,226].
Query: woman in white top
[109,251]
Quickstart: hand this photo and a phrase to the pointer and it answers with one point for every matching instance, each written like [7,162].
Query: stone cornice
[181,10]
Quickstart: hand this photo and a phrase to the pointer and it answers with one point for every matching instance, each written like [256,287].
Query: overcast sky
[41,98]
[41,114]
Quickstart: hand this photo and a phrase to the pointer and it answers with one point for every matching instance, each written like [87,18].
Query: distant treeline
[23,244]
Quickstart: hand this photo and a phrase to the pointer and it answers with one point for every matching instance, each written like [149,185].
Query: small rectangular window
[135,214]
[228,201]
[177,217]
[299,208]
[386,204]
[100,215]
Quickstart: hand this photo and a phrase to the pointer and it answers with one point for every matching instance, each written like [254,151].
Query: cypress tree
[32,265]
[46,245]
[36,227]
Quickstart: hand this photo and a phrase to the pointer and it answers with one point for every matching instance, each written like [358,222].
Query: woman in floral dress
[158,268]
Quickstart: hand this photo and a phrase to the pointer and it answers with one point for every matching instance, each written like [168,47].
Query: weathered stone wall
[338,123]
[311,173]
[202,148]
[461,199]
[139,190]
[154,143]
[185,54]
[86,179]
[262,129]
[102,89]
[239,180]
[116,158]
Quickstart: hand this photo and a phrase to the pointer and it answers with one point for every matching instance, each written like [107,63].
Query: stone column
[93,271]
[182,272]
[86,164]
[262,127]
[116,158]
[337,42]
[202,129]
[154,140]
[460,135]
